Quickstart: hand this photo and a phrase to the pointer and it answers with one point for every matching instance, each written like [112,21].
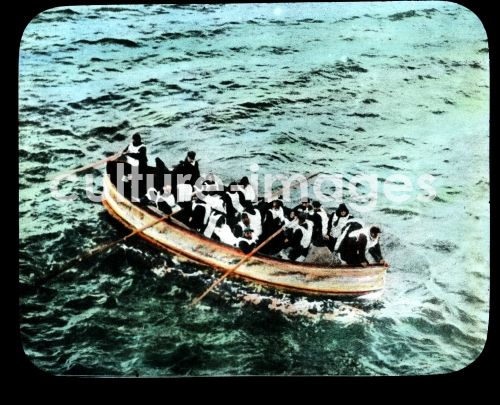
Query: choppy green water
[383,89]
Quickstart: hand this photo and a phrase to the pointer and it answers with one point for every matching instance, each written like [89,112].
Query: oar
[99,249]
[86,167]
[248,256]
[234,268]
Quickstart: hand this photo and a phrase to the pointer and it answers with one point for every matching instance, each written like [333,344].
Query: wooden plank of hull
[304,277]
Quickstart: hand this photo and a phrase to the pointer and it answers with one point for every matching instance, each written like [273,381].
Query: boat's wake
[239,294]
[314,310]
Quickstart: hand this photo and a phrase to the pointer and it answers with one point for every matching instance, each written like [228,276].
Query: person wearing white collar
[358,243]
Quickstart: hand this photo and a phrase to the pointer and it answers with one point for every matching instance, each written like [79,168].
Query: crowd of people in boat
[235,216]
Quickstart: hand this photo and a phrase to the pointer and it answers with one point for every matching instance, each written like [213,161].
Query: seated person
[357,243]
[255,219]
[247,190]
[248,242]
[189,168]
[338,220]
[242,225]
[165,202]
[224,233]
[200,212]
[300,240]
[320,221]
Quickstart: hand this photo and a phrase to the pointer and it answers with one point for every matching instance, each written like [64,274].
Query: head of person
[245,219]
[375,232]
[247,233]
[342,210]
[316,205]
[302,217]
[136,139]
[221,221]
[276,204]
[244,181]
[191,155]
[304,202]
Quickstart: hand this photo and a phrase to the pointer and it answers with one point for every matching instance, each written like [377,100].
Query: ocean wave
[109,41]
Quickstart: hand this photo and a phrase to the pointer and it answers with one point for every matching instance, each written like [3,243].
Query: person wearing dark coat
[247,242]
[320,220]
[274,219]
[304,206]
[200,212]
[235,203]
[162,175]
[132,161]
[301,238]
[357,243]
[243,224]
[189,166]
[135,154]
[337,221]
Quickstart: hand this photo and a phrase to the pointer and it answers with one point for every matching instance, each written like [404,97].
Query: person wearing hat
[304,206]
[189,167]
[248,242]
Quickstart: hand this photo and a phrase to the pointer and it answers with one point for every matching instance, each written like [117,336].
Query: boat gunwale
[266,284]
[234,251]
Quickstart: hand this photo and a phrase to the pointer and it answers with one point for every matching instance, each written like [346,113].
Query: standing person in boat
[184,187]
[337,221]
[132,161]
[358,243]
[135,155]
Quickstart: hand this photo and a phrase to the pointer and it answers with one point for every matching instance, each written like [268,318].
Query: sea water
[378,89]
